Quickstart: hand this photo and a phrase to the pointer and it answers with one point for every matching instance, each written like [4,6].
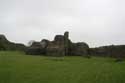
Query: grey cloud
[97,22]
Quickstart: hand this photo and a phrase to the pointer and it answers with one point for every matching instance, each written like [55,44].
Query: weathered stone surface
[79,49]
[55,51]
[66,42]
[56,47]
[116,51]
[35,49]
[60,46]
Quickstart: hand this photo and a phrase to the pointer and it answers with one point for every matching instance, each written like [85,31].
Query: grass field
[16,67]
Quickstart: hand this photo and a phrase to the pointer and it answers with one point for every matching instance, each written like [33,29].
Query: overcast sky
[96,22]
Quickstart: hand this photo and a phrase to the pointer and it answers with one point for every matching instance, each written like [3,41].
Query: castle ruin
[60,46]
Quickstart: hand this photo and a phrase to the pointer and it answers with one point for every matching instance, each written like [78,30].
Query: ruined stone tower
[60,46]
[66,42]
[56,47]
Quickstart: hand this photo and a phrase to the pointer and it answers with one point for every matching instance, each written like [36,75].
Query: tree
[31,42]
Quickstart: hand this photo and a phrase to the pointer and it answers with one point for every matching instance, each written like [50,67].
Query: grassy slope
[15,67]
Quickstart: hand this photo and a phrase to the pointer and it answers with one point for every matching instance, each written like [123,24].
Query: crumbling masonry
[63,46]
[60,46]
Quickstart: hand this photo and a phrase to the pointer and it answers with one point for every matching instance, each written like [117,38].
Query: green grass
[16,67]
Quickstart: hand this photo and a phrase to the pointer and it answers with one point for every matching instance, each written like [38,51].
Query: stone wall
[79,49]
[116,51]
[63,46]
[60,46]
[56,47]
